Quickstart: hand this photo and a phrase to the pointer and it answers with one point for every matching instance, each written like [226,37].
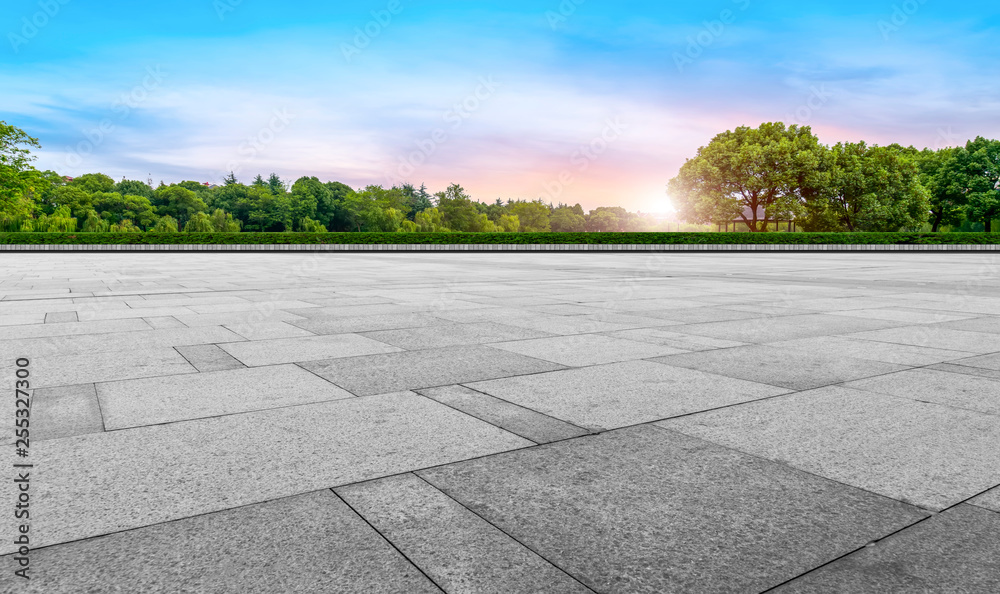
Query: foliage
[166,224]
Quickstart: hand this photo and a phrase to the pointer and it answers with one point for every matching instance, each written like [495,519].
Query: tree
[508,223]
[749,172]
[310,226]
[276,185]
[230,180]
[333,213]
[223,222]
[93,223]
[565,220]
[94,182]
[602,220]
[975,172]
[18,179]
[872,188]
[177,202]
[533,216]
[129,187]
[115,208]
[166,224]
[376,209]
[431,221]
[306,196]
[947,199]
[418,200]
[199,223]
[458,210]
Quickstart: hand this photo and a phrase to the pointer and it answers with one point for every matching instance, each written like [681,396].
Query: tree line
[44,201]
[760,176]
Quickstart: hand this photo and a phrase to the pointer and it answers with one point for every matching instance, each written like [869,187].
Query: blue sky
[588,101]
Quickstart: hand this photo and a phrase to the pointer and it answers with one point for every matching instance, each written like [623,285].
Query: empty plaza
[506,422]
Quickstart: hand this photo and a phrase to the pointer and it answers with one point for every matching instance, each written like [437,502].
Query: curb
[563,248]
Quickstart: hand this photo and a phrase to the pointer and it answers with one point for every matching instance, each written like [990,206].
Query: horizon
[500,98]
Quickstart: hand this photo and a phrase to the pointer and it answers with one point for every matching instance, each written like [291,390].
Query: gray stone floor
[507,422]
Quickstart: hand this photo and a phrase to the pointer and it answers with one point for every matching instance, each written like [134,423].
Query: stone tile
[368,323]
[86,368]
[568,325]
[128,313]
[98,484]
[65,412]
[88,344]
[925,454]
[447,335]
[164,323]
[623,394]
[586,349]
[306,543]
[268,330]
[955,551]
[72,328]
[349,311]
[936,337]
[764,330]
[647,510]
[787,368]
[971,392]
[21,319]
[887,352]
[701,315]
[58,317]
[986,324]
[991,361]
[247,306]
[411,370]
[209,357]
[458,550]
[313,348]
[238,318]
[989,500]
[521,421]
[182,397]
[909,316]
[667,338]
[964,370]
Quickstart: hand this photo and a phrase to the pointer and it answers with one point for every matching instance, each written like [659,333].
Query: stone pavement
[505,422]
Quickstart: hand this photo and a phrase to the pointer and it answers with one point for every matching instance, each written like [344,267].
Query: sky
[593,102]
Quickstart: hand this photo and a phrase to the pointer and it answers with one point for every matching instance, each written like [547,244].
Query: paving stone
[65,412]
[460,551]
[241,319]
[887,352]
[986,324]
[764,330]
[700,315]
[247,306]
[348,311]
[787,368]
[368,323]
[927,385]
[410,370]
[268,330]
[312,348]
[956,551]
[58,317]
[92,485]
[568,325]
[128,313]
[991,361]
[989,500]
[586,349]
[21,319]
[72,328]
[964,370]
[925,454]
[447,335]
[88,344]
[182,397]
[521,421]
[910,316]
[623,394]
[936,337]
[86,368]
[648,510]
[307,543]
[209,357]
[164,323]
[667,338]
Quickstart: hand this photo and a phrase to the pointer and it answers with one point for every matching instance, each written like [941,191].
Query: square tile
[313,348]
[447,335]
[586,349]
[980,394]
[65,412]
[209,357]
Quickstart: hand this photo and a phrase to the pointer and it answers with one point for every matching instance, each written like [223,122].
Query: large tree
[177,202]
[753,174]
[19,181]
[534,216]
[947,199]
[975,172]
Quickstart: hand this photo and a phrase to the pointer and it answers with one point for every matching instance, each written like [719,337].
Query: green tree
[418,200]
[565,220]
[230,180]
[947,200]
[223,222]
[460,214]
[115,208]
[276,185]
[872,188]
[93,223]
[746,172]
[94,182]
[508,223]
[177,202]
[125,226]
[310,226]
[603,220]
[199,223]
[534,216]
[975,172]
[431,221]
[376,209]
[130,187]
[332,212]
[166,224]
[18,179]
[306,196]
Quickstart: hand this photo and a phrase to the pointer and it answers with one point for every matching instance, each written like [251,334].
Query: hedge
[499,238]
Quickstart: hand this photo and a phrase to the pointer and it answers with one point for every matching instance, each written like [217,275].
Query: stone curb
[498,248]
